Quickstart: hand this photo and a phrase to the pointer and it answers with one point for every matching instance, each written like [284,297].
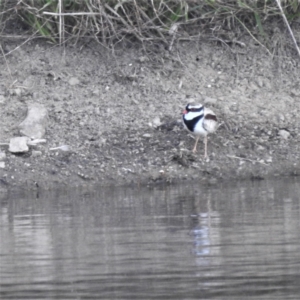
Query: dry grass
[147,21]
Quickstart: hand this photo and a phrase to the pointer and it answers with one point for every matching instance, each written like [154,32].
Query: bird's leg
[195,147]
[205,147]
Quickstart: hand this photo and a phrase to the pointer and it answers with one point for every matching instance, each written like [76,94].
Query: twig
[288,26]
[6,62]
[247,159]
[71,14]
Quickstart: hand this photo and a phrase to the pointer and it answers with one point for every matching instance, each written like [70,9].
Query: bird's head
[193,108]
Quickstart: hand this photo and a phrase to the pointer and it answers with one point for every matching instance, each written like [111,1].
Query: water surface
[237,241]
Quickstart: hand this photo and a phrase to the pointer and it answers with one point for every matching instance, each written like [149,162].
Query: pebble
[156,122]
[284,134]
[2,164]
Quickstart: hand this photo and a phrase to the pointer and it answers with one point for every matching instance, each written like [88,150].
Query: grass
[147,21]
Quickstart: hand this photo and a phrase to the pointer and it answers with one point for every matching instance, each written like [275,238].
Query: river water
[229,241]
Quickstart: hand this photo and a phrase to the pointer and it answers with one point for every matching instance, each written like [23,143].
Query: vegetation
[148,21]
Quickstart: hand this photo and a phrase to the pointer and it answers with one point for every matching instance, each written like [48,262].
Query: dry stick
[288,26]
[151,21]
[125,23]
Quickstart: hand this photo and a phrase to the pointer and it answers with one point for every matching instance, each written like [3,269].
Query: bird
[200,121]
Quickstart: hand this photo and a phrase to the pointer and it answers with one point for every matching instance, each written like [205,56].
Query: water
[238,241]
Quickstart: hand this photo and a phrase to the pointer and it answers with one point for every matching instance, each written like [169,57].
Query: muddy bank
[120,114]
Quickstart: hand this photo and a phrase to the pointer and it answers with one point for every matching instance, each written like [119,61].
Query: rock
[2,164]
[74,81]
[147,135]
[284,134]
[34,125]
[18,144]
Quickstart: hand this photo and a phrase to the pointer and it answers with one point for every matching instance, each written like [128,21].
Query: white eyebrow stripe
[191,115]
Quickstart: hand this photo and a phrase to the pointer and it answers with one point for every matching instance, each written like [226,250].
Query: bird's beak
[184,112]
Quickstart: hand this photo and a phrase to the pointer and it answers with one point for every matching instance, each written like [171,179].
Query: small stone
[18,144]
[147,135]
[269,159]
[284,134]
[156,122]
[2,156]
[2,164]
[17,92]
[74,81]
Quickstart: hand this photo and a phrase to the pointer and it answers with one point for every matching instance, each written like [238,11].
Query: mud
[120,113]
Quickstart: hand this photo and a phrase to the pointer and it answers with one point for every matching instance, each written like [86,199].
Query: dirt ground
[121,114]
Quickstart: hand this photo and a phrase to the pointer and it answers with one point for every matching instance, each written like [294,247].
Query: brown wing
[210,117]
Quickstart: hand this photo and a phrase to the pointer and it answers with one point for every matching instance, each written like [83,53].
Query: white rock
[147,135]
[156,122]
[284,134]
[2,164]
[18,144]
